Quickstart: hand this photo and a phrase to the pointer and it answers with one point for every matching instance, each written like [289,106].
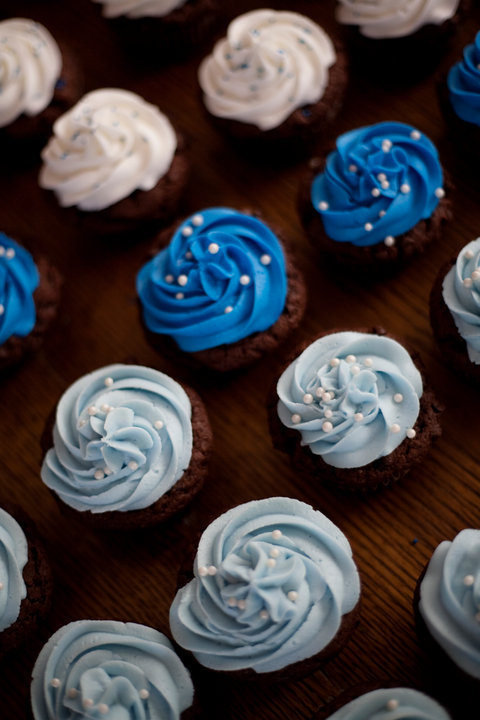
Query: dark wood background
[132,576]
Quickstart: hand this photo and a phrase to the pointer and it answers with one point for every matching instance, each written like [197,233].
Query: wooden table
[132,576]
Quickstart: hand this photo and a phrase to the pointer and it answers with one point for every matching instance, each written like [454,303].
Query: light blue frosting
[244,615]
[450,605]
[112,670]
[13,558]
[463,300]
[18,280]
[340,396]
[127,424]
[463,82]
[406,704]
[379,182]
[221,279]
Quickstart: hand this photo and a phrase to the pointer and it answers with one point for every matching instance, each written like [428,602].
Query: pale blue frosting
[13,558]
[405,704]
[461,293]
[352,396]
[450,599]
[94,669]
[18,280]
[379,183]
[122,438]
[464,84]
[283,578]
[221,279]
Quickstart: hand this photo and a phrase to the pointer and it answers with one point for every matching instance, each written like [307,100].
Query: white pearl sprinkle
[202,571]
[475,275]
[440,193]
[319,391]
[323,205]
[355,369]
[244,279]
[133,465]
[187,231]
[108,382]
[358,417]
[276,534]
[468,282]
[468,580]
[469,254]
[264,614]
[386,145]
[55,682]
[328,396]
[1,586]
[169,279]
[107,471]
[375,192]
[350,358]
[385,184]
[143,694]
[389,241]
[334,362]
[213,248]
[182,280]
[292,595]
[381,177]
[232,602]
[98,474]
[241,604]
[82,423]
[411,433]
[2,309]
[105,407]
[265,259]
[395,428]
[87,703]
[398,398]
[415,135]
[197,220]
[328,413]
[103,708]
[382,213]
[179,296]
[271,562]
[353,168]
[368,227]
[10,254]
[188,255]
[92,410]
[274,552]
[296,418]
[212,570]
[392,704]
[228,309]
[72,693]
[405,188]
[327,426]
[158,424]
[2,250]
[368,362]
[308,398]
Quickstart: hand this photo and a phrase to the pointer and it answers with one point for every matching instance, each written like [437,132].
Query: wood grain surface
[132,576]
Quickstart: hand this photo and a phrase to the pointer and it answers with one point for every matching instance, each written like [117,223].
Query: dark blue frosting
[221,278]
[464,84]
[18,280]
[379,183]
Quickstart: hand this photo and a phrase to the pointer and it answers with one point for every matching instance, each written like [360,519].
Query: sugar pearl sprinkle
[265,259]
[158,424]
[440,193]
[271,562]
[351,358]
[197,220]
[415,135]
[327,426]
[308,398]
[368,362]
[334,362]
[392,704]
[398,398]
[386,145]
[108,382]
[10,254]
[395,428]
[72,693]
[55,682]
[187,231]
[244,279]
[323,205]
[213,248]
[411,433]
[469,254]
[264,614]
[276,534]
[179,296]
[389,241]
[292,595]
[468,580]
[182,280]
[2,309]
[296,418]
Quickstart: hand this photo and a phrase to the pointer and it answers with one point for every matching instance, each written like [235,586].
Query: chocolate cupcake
[130,447]
[386,704]
[224,289]
[353,410]
[377,200]
[275,592]
[117,160]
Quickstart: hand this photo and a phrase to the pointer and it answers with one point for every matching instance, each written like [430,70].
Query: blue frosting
[18,280]
[221,278]
[379,183]
[392,704]
[464,84]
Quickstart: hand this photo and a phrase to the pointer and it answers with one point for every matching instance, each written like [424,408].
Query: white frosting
[106,147]
[269,64]
[30,65]
[139,8]
[394,18]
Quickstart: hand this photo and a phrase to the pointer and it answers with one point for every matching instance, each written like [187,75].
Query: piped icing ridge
[353,397]
[392,704]
[461,294]
[122,438]
[463,82]
[108,145]
[379,183]
[269,64]
[384,19]
[273,579]
[13,558]
[221,278]
[139,8]
[18,280]
[96,668]
[30,65]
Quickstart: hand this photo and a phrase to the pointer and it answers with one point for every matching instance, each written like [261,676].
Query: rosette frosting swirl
[139,8]
[461,294]
[450,599]
[221,278]
[463,82]
[124,671]
[379,183]
[353,397]
[18,280]
[108,145]
[392,704]
[273,579]
[13,558]
[269,64]
[394,18]
[30,65]
[122,438]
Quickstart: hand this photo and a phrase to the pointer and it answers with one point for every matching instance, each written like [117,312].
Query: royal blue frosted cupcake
[460,97]
[378,199]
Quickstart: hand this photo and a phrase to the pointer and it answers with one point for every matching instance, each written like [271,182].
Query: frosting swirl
[30,65]
[13,558]
[122,438]
[394,18]
[379,183]
[463,82]
[92,668]
[269,64]
[450,599]
[461,294]
[273,579]
[108,145]
[139,8]
[392,704]
[353,397]
[221,278]
[18,280]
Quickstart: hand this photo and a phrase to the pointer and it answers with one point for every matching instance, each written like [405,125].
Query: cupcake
[352,410]
[377,200]
[275,79]
[275,592]
[94,668]
[25,581]
[224,288]
[130,447]
[117,160]
[29,294]
[387,704]
[460,97]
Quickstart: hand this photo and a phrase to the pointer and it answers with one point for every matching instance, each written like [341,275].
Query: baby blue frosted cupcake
[386,704]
